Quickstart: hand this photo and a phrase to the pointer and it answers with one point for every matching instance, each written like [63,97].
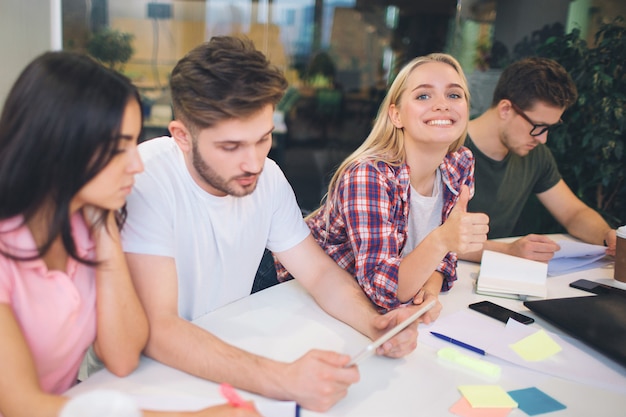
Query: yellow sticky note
[536,347]
[487,396]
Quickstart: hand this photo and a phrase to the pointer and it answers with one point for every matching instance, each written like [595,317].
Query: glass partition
[338,55]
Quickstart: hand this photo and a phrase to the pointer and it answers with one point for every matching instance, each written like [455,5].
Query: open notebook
[512,277]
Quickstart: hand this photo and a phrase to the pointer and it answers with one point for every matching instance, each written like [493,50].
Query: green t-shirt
[503,187]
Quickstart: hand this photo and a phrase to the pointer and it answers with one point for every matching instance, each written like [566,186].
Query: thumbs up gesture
[463,231]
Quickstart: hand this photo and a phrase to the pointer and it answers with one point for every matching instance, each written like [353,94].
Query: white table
[283,322]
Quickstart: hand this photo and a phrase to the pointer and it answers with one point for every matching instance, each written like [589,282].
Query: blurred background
[340,55]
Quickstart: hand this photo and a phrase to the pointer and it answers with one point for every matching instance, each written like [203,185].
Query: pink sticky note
[464,409]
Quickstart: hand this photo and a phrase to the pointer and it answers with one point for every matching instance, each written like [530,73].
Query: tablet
[371,348]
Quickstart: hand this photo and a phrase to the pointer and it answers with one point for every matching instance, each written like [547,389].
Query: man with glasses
[512,161]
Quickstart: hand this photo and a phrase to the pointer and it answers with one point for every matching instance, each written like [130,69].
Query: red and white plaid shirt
[368,228]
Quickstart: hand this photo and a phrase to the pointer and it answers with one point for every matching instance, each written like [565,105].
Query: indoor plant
[111,47]
[590,147]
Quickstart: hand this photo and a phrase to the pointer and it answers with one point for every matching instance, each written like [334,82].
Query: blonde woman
[395,213]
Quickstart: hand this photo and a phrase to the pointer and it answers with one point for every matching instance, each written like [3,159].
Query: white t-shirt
[424,215]
[217,242]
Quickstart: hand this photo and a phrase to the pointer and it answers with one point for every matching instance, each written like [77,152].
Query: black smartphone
[500,313]
[596,287]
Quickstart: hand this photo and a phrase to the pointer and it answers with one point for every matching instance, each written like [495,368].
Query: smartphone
[596,287]
[371,348]
[498,312]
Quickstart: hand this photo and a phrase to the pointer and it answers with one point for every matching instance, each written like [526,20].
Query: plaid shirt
[368,228]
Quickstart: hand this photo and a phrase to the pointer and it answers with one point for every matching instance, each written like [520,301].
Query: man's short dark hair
[224,78]
[530,80]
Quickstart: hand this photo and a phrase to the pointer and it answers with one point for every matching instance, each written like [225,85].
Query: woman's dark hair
[60,126]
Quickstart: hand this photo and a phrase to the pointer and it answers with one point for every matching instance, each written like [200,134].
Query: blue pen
[458,343]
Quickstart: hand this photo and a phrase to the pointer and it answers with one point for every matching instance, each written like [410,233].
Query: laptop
[599,321]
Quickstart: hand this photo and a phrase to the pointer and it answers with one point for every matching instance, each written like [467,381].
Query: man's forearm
[185,346]
[588,226]
[343,298]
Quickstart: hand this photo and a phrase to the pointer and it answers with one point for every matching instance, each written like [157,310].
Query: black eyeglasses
[538,129]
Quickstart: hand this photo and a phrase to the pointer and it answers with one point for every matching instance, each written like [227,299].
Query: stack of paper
[510,276]
[575,256]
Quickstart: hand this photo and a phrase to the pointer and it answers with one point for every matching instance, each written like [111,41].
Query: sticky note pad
[464,409]
[533,401]
[487,396]
[536,347]
[454,356]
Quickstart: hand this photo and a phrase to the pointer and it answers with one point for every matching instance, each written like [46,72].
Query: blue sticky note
[533,401]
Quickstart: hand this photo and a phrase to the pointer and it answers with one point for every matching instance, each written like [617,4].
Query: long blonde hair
[385,141]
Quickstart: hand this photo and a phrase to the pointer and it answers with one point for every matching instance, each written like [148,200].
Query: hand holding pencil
[236,407]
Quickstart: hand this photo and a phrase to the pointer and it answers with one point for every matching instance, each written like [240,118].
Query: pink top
[55,310]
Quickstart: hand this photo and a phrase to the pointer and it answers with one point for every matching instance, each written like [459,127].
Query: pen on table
[458,343]
[233,398]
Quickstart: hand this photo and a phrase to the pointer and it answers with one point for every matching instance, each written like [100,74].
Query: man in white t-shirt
[207,205]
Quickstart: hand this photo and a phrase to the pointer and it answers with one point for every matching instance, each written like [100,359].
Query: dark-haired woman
[68,156]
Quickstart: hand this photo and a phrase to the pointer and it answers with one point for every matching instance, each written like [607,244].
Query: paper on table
[574,249]
[505,275]
[575,256]
[493,337]
[267,408]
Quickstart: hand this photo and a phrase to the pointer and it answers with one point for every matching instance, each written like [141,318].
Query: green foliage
[529,44]
[111,47]
[589,148]
[498,56]
[321,71]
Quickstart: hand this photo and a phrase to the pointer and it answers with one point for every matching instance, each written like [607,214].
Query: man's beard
[214,180]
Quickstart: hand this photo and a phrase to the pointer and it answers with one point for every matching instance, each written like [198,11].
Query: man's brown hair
[224,78]
[530,80]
